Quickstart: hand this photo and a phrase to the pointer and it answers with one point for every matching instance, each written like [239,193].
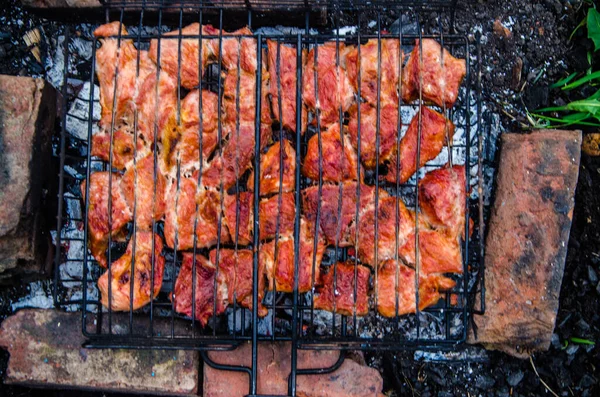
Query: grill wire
[292,317]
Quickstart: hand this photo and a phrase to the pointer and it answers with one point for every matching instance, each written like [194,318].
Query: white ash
[55,64]
[39,296]
[77,121]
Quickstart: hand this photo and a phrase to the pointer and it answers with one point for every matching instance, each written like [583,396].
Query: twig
[540,378]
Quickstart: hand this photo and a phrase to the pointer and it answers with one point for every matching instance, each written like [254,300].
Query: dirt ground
[516,75]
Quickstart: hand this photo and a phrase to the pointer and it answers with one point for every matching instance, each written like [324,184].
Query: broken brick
[527,240]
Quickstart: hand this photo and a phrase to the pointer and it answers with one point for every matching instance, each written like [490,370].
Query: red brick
[527,240]
[351,379]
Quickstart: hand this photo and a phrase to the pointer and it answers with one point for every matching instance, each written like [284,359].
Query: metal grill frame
[96,325]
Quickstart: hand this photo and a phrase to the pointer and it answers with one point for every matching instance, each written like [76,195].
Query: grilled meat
[434,72]
[338,161]
[277,214]
[270,169]
[438,253]
[397,281]
[435,132]
[239,209]
[333,91]
[337,294]
[123,149]
[204,293]
[101,224]
[140,256]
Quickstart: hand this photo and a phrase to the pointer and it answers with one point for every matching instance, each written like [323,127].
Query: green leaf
[582,341]
[564,81]
[581,81]
[581,24]
[593,27]
[585,105]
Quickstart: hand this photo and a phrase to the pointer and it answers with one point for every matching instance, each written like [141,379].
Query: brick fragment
[351,379]
[527,240]
[45,351]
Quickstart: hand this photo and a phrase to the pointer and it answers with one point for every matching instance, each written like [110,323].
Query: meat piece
[395,278]
[282,72]
[147,200]
[343,231]
[270,169]
[204,292]
[123,148]
[391,57]
[281,271]
[242,48]
[277,214]
[438,253]
[239,209]
[339,296]
[441,78]
[435,132]
[333,91]
[339,162]
[120,274]
[100,223]
[244,110]
[181,216]
[187,148]
[442,198]
[235,268]
[388,132]
[183,56]
[387,224]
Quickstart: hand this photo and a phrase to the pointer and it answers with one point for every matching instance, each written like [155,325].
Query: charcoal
[592,275]
[515,378]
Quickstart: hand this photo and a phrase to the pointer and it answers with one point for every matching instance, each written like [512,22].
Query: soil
[518,68]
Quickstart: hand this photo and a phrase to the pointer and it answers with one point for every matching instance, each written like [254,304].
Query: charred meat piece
[442,197]
[388,132]
[438,253]
[123,148]
[435,132]
[282,72]
[277,214]
[440,73]
[390,59]
[204,290]
[100,223]
[270,169]
[235,269]
[336,228]
[181,216]
[238,214]
[183,56]
[281,271]
[395,278]
[144,191]
[338,296]
[196,131]
[333,91]
[338,162]
[117,63]
[140,257]
[389,227]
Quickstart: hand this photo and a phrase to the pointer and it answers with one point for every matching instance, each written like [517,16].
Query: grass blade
[582,81]
[564,81]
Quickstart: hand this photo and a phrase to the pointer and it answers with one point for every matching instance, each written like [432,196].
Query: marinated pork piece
[388,132]
[387,224]
[242,48]
[396,278]
[239,209]
[147,200]
[442,198]
[390,59]
[438,253]
[435,132]
[342,231]
[204,293]
[339,162]
[270,169]
[441,78]
[196,131]
[339,297]
[120,274]
[282,87]
[277,214]
[280,268]
[100,223]
[181,216]
[333,91]
[123,148]
[235,270]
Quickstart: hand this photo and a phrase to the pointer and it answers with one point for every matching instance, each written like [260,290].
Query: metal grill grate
[292,316]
